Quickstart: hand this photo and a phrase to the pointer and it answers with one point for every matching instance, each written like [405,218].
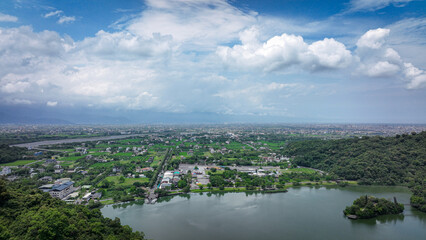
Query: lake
[301,213]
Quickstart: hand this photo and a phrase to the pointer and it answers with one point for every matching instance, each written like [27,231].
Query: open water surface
[301,213]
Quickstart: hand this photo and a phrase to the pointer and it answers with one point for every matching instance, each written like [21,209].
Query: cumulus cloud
[416,77]
[167,59]
[280,52]
[373,38]
[7,18]
[373,5]
[383,69]
[378,60]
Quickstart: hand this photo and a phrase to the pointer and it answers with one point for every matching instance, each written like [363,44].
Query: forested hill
[27,213]
[370,160]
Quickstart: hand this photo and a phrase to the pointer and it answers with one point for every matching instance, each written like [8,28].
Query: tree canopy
[31,214]
[370,160]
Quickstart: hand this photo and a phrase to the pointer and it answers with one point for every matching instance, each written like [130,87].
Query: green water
[301,213]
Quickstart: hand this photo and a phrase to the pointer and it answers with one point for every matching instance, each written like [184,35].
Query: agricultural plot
[17,163]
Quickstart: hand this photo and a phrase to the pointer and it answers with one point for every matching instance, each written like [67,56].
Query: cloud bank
[190,56]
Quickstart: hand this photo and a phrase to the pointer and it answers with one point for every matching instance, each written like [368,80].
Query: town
[145,163]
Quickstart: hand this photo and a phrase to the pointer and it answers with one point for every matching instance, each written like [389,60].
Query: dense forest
[369,207]
[10,154]
[370,160]
[27,213]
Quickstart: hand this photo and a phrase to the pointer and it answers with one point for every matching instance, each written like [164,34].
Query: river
[301,213]
[73,140]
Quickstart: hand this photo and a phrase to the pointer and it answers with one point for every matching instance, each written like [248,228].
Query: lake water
[301,213]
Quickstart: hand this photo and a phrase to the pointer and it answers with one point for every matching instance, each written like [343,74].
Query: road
[152,196]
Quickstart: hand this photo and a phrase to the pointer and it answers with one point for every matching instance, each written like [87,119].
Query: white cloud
[53,13]
[7,18]
[378,60]
[126,45]
[373,5]
[19,101]
[281,52]
[51,104]
[15,87]
[61,17]
[195,24]
[383,69]
[66,19]
[330,53]
[167,59]
[416,77]
[373,38]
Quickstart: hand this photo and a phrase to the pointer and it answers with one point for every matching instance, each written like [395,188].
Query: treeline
[26,213]
[369,160]
[11,154]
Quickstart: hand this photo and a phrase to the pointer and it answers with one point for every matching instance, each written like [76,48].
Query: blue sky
[355,61]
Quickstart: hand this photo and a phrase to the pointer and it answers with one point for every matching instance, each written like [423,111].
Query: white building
[5,171]
[58,190]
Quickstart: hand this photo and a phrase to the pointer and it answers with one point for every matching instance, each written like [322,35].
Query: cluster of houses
[169,178]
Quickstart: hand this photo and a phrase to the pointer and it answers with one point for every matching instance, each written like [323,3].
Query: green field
[72,158]
[127,182]
[17,163]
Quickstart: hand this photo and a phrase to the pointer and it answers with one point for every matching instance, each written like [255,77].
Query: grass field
[17,163]
[127,182]
[100,164]
[72,158]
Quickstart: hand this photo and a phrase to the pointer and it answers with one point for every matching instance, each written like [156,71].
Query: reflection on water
[301,213]
[127,204]
[388,219]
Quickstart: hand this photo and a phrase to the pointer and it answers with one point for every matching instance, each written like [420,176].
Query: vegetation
[31,214]
[10,154]
[370,160]
[369,207]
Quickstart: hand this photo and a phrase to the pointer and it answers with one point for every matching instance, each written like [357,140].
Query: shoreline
[241,190]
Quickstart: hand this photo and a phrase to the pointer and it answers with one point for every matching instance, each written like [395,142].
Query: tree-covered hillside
[369,160]
[26,213]
[10,154]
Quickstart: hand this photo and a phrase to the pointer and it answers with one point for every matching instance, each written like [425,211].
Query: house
[62,180]
[38,153]
[141,170]
[58,190]
[5,171]
[46,179]
[49,161]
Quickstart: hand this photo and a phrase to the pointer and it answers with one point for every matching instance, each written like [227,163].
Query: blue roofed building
[58,190]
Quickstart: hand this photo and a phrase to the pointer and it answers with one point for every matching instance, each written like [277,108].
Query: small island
[369,207]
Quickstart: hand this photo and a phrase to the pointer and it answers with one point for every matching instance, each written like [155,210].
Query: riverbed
[301,213]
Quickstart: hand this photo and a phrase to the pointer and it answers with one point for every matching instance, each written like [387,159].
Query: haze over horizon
[212,61]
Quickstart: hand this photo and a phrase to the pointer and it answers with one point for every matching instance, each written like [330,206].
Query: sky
[213,61]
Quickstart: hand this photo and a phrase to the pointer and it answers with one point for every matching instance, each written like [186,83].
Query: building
[5,171]
[58,190]
[46,179]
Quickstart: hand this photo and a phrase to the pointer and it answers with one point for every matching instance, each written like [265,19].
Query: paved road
[73,140]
